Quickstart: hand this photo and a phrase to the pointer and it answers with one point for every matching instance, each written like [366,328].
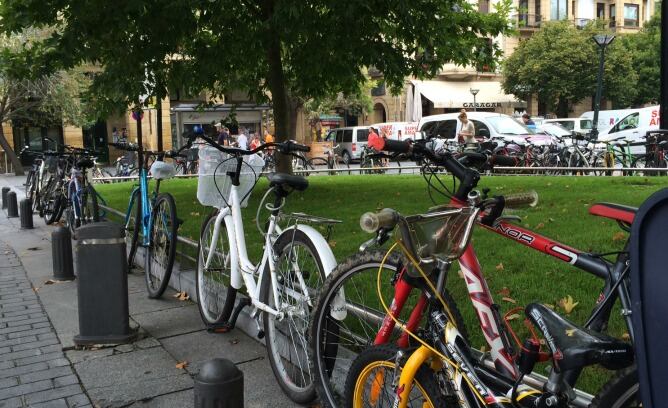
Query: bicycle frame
[146,210]
[482,300]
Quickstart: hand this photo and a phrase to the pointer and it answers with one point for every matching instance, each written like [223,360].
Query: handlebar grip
[396,146]
[524,199]
[372,222]
[297,147]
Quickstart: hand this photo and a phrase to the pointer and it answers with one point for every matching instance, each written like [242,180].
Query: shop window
[613,15]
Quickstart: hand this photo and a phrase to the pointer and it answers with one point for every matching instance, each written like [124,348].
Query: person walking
[242,139]
[223,135]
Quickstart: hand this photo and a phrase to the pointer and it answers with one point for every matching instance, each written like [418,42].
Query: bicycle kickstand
[227,326]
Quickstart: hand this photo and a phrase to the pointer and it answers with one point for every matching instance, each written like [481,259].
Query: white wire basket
[214,184]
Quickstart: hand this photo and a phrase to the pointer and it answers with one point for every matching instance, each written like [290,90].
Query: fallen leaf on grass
[619,236]
[626,336]
[499,267]
[460,273]
[513,316]
[567,304]
[182,365]
[504,291]
[332,244]
[539,226]
[507,299]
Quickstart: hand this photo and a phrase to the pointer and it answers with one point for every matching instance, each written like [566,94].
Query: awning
[451,94]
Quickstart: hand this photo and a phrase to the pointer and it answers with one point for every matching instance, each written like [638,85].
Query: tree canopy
[559,64]
[282,48]
[645,48]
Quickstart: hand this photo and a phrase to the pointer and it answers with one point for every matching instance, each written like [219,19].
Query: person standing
[255,141]
[375,141]
[242,139]
[528,122]
[114,135]
[467,132]
[223,137]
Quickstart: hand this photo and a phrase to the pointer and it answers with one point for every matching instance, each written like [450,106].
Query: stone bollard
[12,205]
[25,210]
[104,316]
[219,384]
[61,252]
[5,191]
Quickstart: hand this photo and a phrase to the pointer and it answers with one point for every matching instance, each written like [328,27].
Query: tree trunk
[293,113]
[276,82]
[18,168]
[562,108]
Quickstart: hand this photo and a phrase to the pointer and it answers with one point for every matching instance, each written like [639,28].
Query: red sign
[138,115]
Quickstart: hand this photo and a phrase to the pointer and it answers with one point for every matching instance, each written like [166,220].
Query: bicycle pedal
[260,334]
[224,327]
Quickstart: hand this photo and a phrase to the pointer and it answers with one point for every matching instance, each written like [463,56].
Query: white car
[488,125]
[578,125]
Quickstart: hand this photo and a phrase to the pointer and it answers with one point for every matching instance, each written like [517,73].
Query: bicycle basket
[442,234]
[214,184]
[162,171]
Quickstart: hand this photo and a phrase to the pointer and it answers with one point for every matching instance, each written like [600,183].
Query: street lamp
[602,40]
[474,92]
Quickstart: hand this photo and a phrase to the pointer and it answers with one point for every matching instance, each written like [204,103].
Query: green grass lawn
[530,276]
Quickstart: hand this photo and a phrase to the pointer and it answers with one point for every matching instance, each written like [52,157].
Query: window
[631,13]
[348,136]
[629,122]
[339,136]
[505,125]
[331,136]
[441,129]
[537,10]
[567,124]
[613,15]
[362,135]
[523,17]
[483,6]
[585,123]
[558,9]
[600,11]
[481,130]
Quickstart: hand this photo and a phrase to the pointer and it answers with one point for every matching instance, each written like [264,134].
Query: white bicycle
[283,285]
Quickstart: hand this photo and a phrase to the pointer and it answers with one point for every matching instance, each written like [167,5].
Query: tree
[44,100]
[559,64]
[291,50]
[644,48]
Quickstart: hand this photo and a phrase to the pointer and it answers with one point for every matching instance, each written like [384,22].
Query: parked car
[633,127]
[351,141]
[608,118]
[488,125]
[578,125]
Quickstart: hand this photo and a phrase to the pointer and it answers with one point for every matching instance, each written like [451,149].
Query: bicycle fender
[338,310]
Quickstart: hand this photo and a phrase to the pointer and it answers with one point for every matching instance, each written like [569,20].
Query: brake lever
[381,237]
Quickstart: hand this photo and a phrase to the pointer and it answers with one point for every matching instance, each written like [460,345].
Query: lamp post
[602,40]
[474,92]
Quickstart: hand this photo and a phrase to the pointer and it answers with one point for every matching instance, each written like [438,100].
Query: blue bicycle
[150,221]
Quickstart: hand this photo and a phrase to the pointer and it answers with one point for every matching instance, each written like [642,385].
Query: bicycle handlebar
[523,199]
[286,147]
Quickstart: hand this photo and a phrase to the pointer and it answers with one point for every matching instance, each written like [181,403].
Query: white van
[634,126]
[397,130]
[577,125]
[351,139]
[608,118]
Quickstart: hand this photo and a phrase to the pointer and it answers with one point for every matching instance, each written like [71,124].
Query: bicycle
[151,221]
[618,154]
[282,286]
[332,160]
[656,145]
[344,306]
[376,162]
[81,206]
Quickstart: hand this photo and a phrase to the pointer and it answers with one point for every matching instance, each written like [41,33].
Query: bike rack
[649,281]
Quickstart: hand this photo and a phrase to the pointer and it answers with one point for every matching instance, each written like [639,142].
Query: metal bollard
[5,191]
[61,252]
[12,205]
[219,384]
[25,209]
[102,285]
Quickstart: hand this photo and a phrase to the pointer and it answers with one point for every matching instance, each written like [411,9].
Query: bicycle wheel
[370,382]
[318,163]
[161,248]
[133,227]
[55,204]
[640,162]
[622,391]
[287,336]
[215,295]
[334,344]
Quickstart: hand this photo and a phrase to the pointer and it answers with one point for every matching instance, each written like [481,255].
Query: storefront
[184,117]
[36,138]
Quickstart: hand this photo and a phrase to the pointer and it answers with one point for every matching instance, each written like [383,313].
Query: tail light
[354,147]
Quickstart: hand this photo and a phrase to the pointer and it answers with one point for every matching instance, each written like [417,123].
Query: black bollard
[12,205]
[5,191]
[61,251]
[219,384]
[25,208]
[102,270]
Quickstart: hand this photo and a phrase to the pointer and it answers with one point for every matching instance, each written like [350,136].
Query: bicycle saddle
[613,211]
[283,180]
[576,347]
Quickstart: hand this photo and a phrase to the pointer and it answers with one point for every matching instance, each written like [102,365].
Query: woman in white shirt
[467,132]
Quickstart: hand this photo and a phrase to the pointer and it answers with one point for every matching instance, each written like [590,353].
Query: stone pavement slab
[171,322]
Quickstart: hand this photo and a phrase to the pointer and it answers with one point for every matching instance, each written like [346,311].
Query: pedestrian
[115,135]
[268,138]
[124,136]
[222,136]
[467,132]
[375,141]
[528,122]
[242,139]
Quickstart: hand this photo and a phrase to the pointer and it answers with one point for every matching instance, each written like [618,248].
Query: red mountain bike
[346,319]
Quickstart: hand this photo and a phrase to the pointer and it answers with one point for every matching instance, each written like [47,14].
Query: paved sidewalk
[141,374]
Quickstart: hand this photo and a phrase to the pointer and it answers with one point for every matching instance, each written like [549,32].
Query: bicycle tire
[221,313]
[55,208]
[377,364]
[161,249]
[621,391]
[90,208]
[318,161]
[325,332]
[132,227]
[294,376]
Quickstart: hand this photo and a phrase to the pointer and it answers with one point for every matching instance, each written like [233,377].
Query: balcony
[526,21]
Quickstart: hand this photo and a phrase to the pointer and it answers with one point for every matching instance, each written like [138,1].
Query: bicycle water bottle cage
[575,347]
